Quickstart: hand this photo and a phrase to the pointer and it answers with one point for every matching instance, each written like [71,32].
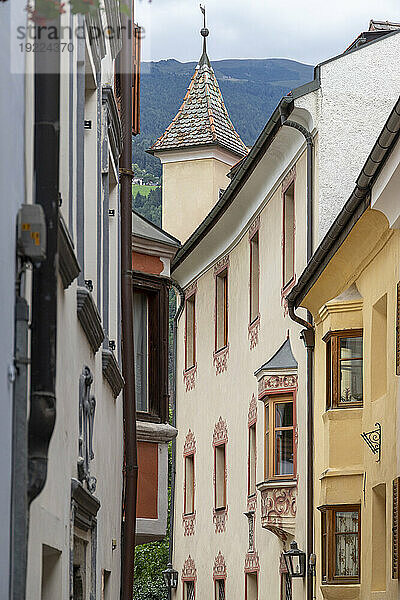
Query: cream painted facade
[358,290]
[230,395]
[218,397]
[189,183]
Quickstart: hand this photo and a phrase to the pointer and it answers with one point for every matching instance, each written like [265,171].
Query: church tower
[197,150]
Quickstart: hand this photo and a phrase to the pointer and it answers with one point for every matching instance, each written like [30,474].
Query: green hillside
[251,90]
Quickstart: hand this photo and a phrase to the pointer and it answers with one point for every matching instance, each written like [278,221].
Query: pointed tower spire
[204,60]
[197,151]
[202,119]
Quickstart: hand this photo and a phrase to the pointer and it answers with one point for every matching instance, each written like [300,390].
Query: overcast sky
[305,30]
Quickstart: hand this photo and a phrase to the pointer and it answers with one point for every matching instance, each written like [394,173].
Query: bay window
[279,437]
[344,368]
[340,543]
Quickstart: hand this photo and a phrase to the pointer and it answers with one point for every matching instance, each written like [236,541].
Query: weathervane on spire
[204,32]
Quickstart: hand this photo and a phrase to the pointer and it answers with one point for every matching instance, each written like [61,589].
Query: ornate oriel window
[344,368]
[221,310]
[279,445]
[340,543]
[190,332]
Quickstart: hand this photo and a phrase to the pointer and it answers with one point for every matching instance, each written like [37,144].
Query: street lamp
[295,560]
[170,577]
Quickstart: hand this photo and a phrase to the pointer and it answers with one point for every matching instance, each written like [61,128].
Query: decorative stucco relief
[220,360]
[252,414]
[222,264]
[189,378]
[254,227]
[188,523]
[189,571]
[252,562]
[278,510]
[220,518]
[219,569]
[252,503]
[254,329]
[276,382]
[220,435]
[190,443]
[191,289]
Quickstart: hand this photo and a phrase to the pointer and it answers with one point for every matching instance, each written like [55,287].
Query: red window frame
[254,313]
[216,446]
[185,511]
[185,582]
[251,426]
[190,298]
[289,184]
[223,274]
[245,584]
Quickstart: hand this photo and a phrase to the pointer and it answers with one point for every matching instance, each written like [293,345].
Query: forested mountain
[251,90]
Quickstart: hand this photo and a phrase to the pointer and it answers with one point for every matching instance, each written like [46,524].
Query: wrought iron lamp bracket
[374,440]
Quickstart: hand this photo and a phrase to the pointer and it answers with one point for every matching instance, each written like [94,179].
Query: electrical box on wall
[31,232]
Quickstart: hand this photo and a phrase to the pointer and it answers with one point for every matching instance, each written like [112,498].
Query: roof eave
[155,151]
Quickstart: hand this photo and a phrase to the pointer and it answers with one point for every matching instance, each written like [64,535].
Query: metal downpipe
[129,401]
[173,453]
[308,338]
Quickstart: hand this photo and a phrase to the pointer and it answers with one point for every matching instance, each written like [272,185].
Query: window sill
[221,350]
[342,414]
[276,483]
[340,591]
[189,370]
[220,509]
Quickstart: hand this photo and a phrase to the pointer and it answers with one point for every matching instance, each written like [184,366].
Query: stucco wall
[190,190]
[228,395]
[358,91]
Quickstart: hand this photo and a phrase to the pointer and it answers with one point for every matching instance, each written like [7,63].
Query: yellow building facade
[351,288]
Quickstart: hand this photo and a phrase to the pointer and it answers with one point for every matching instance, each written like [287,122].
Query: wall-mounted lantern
[170,577]
[295,560]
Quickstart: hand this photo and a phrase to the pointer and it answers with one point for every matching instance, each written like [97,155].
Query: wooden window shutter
[137,35]
[395,529]
[398,330]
